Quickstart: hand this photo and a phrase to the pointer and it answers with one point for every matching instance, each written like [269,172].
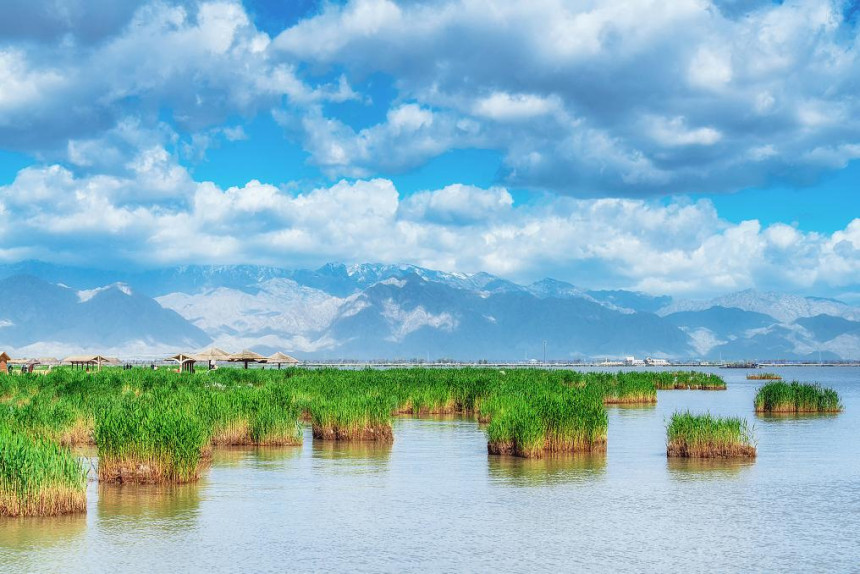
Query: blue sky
[689,148]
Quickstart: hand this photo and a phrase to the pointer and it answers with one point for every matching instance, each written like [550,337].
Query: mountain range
[369,311]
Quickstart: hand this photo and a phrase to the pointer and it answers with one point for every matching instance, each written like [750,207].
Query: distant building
[656,362]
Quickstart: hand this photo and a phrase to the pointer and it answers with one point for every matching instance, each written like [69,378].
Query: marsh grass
[353,418]
[688,380]
[158,440]
[38,477]
[705,436]
[789,398]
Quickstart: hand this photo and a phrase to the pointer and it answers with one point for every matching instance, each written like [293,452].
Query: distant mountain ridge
[40,318]
[385,311]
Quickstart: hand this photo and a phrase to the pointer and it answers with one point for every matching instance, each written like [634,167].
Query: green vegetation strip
[705,436]
[37,476]
[690,380]
[158,426]
[796,398]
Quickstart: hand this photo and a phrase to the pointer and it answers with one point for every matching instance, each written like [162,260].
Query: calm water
[435,501]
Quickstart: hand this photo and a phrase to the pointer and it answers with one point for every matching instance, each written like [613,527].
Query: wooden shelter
[212,355]
[85,361]
[4,363]
[280,358]
[186,362]
[247,356]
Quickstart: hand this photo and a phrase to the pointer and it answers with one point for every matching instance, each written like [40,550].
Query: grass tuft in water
[705,436]
[38,477]
[796,398]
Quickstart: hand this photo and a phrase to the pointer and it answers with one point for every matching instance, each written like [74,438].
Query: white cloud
[649,84]
[202,63]
[680,248]
[674,132]
[503,106]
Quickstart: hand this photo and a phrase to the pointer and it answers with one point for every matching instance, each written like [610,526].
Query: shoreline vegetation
[796,398]
[688,380]
[157,426]
[38,477]
[705,436]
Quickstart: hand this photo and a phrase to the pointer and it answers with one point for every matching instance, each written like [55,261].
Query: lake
[436,501]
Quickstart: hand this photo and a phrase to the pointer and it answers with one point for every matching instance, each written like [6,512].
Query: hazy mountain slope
[415,317]
[35,311]
[721,321]
[377,310]
[279,313]
[785,308]
[827,327]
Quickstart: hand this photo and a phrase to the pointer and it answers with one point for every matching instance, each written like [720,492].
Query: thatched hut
[4,363]
[186,362]
[212,355]
[85,361]
[280,358]
[247,356]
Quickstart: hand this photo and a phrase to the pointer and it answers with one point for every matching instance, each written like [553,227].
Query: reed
[547,419]
[157,440]
[353,418]
[628,389]
[796,397]
[705,436]
[38,477]
[688,380]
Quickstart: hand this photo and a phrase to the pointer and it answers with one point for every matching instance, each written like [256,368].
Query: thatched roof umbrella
[280,358]
[186,362]
[87,361]
[247,356]
[211,355]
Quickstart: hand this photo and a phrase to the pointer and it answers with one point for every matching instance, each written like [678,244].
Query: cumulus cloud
[681,248]
[200,63]
[683,96]
[602,98]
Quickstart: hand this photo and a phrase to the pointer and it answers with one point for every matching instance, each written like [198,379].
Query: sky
[689,148]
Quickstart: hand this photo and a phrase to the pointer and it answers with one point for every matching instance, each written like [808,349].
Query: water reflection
[555,469]
[793,417]
[352,457]
[625,410]
[262,457]
[174,505]
[40,532]
[706,469]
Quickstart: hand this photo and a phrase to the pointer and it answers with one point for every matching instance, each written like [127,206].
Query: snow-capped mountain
[385,311]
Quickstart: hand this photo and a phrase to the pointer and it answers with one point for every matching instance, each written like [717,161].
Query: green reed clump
[628,388]
[154,439]
[38,477]
[688,380]
[353,418]
[274,419]
[796,398]
[705,436]
[550,418]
